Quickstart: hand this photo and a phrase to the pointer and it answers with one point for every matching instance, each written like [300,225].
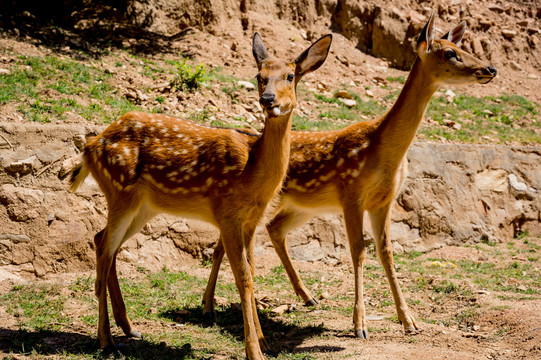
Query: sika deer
[151,163]
[361,168]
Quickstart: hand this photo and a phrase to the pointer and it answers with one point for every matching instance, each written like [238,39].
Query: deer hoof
[135,334]
[110,352]
[311,302]
[361,334]
[270,353]
[412,331]
[210,317]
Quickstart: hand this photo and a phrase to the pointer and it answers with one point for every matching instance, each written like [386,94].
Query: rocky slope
[454,194]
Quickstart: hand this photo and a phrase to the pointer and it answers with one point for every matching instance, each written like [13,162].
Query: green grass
[32,79]
[37,307]
[498,117]
[303,123]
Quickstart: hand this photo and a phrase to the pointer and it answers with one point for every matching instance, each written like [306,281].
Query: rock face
[454,194]
[388,30]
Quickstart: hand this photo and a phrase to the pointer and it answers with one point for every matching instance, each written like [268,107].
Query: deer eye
[449,54]
[290,77]
[258,78]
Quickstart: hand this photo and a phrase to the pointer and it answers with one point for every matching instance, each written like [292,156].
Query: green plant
[188,77]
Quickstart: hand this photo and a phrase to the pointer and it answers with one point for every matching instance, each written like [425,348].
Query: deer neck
[399,125]
[269,157]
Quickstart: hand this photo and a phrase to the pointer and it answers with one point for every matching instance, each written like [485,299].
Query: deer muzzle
[485,75]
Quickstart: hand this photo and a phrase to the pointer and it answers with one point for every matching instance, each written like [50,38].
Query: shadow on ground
[48,342]
[281,336]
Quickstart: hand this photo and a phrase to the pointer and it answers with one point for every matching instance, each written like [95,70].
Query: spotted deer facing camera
[146,164]
[361,168]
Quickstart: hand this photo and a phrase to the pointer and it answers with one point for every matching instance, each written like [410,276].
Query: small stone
[207,253]
[180,227]
[324,295]
[246,84]
[369,93]
[256,107]
[220,301]
[349,102]
[523,23]
[280,309]
[488,112]
[485,24]
[517,185]
[23,167]
[343,94]
[496,8]
[476,327]
[450,93]
[5,72]
[483,292]
[68,165]
[79,141]
[213,102]
[509,34]
[250,118]
[514,65]
[477,47]
[342,59]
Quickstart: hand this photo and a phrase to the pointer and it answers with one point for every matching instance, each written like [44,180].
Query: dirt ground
[473,319]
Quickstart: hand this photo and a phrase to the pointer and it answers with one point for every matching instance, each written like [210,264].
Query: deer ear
[259,50]
[313,57]
[424,43]
[456,34]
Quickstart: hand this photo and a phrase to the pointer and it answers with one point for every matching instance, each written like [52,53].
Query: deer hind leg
[108,242]
[208,296]
[381,223]
[353,216]
[278,228]
[144,214]
[238,258]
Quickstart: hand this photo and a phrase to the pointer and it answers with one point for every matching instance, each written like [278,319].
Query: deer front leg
[354,227]
[381,223]
[277,229]
[249,245]
[208,295]
[237,255]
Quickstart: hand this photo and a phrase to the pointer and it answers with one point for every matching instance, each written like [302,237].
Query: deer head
[447,63]
[277,80]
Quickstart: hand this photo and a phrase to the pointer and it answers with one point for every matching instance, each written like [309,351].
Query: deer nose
[492,71]
[266,99]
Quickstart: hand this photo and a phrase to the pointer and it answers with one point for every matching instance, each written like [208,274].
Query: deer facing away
[151,163]
[361,168]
